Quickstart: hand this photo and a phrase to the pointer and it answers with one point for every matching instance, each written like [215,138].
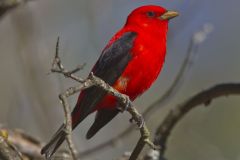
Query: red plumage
[130,62]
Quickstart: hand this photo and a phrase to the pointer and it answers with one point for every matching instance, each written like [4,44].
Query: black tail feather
[54,143]
[102,118]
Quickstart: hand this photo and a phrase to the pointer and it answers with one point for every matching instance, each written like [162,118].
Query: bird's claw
[125,105]
[131,120]
[140,122]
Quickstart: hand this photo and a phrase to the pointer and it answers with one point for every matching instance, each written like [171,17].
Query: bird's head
[150,16]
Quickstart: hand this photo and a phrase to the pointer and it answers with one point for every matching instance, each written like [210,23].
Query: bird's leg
[124,105]
[127,105]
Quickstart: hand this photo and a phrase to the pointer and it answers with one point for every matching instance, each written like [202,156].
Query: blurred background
[29,97]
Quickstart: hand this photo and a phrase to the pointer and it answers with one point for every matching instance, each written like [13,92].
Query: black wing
[109,68]
[102,118]
[115,58]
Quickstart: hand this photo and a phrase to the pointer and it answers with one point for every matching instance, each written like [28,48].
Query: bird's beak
[169,15]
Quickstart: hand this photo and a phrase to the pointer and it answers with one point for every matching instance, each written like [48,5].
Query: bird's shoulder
[122,37]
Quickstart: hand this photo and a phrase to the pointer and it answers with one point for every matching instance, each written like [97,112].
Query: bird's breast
[148,55]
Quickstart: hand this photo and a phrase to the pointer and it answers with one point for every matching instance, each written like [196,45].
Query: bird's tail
[54,143]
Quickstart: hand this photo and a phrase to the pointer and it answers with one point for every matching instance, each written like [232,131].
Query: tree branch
[6,5]
[26,145]
[7,150]
[177,113]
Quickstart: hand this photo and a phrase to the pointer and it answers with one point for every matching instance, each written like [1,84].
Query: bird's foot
[125,104]
[140,122]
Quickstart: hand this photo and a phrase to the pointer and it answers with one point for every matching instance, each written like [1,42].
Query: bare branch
[26,144]
[177,113]
[68,122]
[57,67]
[6,5]
[7,150]
[28,147]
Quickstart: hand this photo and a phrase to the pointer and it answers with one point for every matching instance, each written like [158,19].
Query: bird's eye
[151,14]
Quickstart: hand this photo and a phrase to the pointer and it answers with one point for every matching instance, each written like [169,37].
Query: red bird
[130,63]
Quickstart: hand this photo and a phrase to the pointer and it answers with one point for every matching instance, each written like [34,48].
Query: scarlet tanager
[130,63]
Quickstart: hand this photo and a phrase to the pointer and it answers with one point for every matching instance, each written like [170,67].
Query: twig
[29,146]
[68,123]
[6,5]
[171,91]
[8,151]
[177,113]
[57,67]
